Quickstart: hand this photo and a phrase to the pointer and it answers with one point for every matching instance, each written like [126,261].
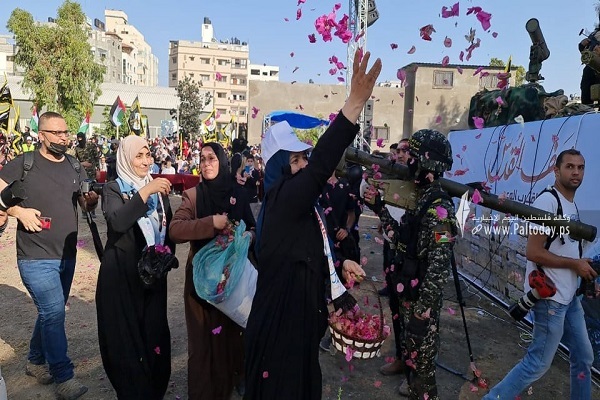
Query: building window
[221,61]
[205,78]
[191,74]
[174,75]
[239,96]
[382,132]
[192,58]
[205,61]
[443,79]
[223,79]
[240,63]
[488,82]
[242,112]
[174,60]
[255,72]
[221,111]
[274,73]
[221,95]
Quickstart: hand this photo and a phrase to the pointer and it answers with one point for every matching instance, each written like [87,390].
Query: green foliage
[519,72]
[59,66]
[108,129]
[191,104]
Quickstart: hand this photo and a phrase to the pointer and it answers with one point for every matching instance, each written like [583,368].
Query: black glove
[416,330]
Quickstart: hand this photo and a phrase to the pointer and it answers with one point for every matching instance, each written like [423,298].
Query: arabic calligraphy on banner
[517,161]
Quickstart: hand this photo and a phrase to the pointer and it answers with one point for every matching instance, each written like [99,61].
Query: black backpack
[28,163]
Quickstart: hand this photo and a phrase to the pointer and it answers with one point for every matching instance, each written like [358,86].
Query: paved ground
[497,342]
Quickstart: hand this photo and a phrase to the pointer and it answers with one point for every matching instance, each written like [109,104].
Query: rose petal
[441,212]
[217,330]
[412,50]
[476,199]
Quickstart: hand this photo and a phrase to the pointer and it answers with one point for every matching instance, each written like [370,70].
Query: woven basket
[362,348]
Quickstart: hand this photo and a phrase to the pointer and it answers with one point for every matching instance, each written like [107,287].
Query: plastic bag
[217,268]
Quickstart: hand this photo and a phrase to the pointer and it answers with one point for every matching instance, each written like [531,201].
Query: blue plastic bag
[211,261]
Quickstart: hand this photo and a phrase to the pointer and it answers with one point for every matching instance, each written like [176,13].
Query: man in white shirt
[560,316]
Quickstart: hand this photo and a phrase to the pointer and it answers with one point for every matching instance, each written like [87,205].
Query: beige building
[220,66]
[7,56]
[106,48]
[144,63]
[433,97]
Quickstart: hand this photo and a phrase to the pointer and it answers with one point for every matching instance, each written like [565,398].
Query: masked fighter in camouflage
[424,239]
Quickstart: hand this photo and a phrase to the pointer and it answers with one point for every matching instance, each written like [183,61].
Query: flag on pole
[117,112]
[135,118]
[34,122]
[5,105]
[85,124]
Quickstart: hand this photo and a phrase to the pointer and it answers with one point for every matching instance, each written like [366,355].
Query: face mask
[57,149]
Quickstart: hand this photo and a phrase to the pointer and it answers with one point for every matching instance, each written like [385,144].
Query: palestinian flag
[85,124]
[442,237]
[117,112]
[34,122]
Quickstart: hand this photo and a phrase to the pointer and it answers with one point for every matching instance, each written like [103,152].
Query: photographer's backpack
[28,163]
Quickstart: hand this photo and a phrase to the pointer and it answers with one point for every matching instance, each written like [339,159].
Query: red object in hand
[539,281]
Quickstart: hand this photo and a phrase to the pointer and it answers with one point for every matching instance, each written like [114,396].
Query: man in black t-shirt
[46,247]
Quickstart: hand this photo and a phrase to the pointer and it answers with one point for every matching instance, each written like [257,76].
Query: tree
[192,102]
[519,72]
[108,129]
[59,66]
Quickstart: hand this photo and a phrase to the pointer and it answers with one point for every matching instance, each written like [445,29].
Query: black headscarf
[215,195]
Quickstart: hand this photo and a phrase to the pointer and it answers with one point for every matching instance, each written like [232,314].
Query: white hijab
[128,150]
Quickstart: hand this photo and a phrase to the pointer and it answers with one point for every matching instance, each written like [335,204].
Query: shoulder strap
[559,212]
[28,163]
[74,162]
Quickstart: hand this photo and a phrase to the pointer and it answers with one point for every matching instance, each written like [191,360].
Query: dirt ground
[497,342]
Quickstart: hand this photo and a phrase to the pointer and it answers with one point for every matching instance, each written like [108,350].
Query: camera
[591,289]
[12,195]
[89,185]
[541,287]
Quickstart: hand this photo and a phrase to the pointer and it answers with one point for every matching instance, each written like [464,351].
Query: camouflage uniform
[89,154]
[436,232]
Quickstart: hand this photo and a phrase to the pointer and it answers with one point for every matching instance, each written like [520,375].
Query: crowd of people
[302,221]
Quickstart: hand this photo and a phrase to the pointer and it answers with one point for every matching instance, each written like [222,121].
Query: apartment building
[139,65]
[263,72]
[220,66]
[7,55]
[107,50]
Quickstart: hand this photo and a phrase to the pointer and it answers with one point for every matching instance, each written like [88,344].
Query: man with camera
[555,263]
[46,247]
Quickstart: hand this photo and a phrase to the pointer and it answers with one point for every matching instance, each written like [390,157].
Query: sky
[271,39]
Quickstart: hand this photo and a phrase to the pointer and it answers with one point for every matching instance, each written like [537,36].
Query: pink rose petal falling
[478,122]
[218,76]
[411,50]
[399,288]
[265,374]
[377,384]
[494,35]
[447,42]
[426,32]
[414,282]
[441,212]
[298,14]
[476,198]
[453,11]
[445,61]
[312,38]
[380,142]
[438,119]
[484,18]
[349,353]
[394,46]
[217,330]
